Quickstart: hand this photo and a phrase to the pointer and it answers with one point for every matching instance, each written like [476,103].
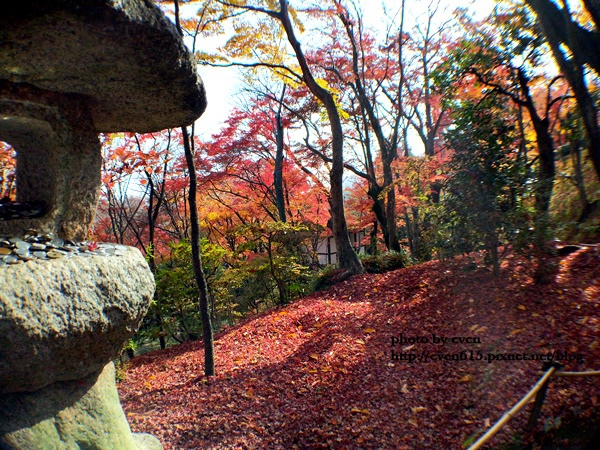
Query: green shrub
[385,262]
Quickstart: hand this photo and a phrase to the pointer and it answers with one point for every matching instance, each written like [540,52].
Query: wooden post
[515,409]
[539,402]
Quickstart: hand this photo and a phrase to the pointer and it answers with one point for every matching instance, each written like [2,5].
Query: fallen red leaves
[319,373]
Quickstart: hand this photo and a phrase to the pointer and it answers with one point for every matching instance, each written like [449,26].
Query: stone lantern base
[81,414]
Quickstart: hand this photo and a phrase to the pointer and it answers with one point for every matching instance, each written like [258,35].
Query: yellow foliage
[335,93]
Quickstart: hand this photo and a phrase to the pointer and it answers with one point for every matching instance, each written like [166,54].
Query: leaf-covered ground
[320,374]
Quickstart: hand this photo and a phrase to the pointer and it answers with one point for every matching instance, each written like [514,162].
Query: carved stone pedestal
[81,414]
[62,322]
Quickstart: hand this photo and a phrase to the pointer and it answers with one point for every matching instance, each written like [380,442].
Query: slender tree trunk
[152,263]
[379,211]
[411,232]
[543,192]
[545,182]
[153,211]
[417,226]
[545,146]
[388,151]
[207,332]
[576,161]
[278,171]
[388,179]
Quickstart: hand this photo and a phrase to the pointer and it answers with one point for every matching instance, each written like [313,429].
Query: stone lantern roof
[125,58]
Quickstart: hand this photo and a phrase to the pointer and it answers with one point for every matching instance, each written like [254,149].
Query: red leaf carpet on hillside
[320,373]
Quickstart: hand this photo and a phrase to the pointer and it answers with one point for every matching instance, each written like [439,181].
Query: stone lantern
[69,70]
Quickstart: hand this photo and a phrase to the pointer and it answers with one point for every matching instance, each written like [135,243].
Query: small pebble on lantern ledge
[34,246]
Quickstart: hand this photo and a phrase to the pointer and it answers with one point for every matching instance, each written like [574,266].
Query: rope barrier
[561,373]
[552,371]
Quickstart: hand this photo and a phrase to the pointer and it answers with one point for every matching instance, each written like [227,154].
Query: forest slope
[319,373]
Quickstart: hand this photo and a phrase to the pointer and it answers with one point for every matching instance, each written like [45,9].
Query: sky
[222,84]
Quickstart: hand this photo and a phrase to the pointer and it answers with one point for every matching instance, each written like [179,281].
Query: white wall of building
[327,250]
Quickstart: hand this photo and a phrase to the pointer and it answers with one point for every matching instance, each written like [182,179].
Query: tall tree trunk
[207,332]
[346,256]
[559,30]
[558,25]
[545,183]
